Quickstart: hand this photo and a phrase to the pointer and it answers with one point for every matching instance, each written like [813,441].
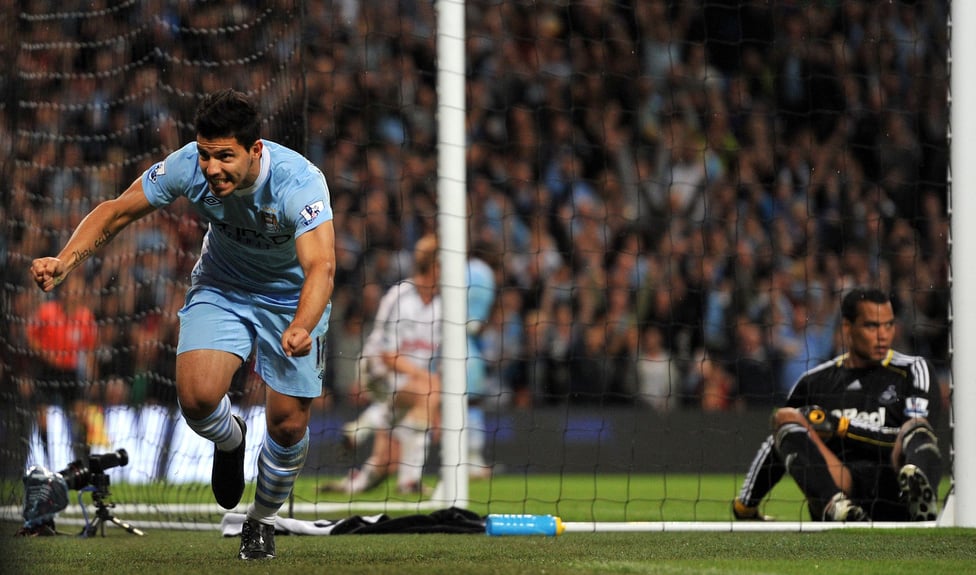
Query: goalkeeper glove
[827,425]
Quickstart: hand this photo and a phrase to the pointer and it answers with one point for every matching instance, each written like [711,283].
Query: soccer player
[264,280]
[400,359]
[855,433]
[375,420]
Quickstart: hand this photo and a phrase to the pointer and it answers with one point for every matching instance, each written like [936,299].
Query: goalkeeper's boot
[840,508]
[227,478]
[257,540]
[742,512]
[917,494]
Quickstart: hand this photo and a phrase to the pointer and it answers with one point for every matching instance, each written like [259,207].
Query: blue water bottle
[514,524]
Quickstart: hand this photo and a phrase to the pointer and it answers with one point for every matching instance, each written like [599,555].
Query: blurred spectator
[712,383]
[590,366]
[563,336]
[507,339]
[63,335]
[659,379]
[345,346]
[752,366]
[803,339]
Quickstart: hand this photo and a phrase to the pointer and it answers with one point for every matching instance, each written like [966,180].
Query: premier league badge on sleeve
[310,211]
[156,171]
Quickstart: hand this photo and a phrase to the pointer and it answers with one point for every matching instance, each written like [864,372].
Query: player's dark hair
[849,306]
[228,113]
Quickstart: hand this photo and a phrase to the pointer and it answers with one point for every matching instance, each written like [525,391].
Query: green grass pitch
[585,498]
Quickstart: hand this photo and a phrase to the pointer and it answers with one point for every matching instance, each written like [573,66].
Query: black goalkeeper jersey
[876,400]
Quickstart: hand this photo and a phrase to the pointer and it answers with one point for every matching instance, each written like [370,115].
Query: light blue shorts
[239,323]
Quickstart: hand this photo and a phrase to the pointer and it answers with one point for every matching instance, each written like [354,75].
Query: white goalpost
[452,228]
[962,177]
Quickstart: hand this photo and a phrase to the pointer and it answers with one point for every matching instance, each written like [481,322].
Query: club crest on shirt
[310,211]
[269,219]
[888,396]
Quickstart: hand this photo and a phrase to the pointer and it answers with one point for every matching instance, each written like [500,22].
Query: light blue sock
[218,427]
[278,468]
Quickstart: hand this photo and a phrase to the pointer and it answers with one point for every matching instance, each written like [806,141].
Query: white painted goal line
[74,515]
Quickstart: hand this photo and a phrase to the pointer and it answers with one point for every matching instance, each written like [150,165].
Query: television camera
[46,494]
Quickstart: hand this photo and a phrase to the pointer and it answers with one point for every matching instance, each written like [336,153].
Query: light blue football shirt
[481,290]
[481,298]
[250,242]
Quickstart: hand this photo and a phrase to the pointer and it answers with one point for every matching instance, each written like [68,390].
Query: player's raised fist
[47,272]
[296,342]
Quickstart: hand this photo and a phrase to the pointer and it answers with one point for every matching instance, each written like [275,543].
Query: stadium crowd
[676,194]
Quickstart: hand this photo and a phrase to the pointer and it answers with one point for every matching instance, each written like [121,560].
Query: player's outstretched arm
[97,229]
[316,255]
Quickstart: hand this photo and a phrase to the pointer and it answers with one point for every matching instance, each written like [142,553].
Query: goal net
[672,197]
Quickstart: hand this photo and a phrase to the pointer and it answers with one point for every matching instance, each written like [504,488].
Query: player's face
[227,164]
[869,337]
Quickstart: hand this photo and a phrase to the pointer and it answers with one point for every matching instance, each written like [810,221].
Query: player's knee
[918,433]
[912,425]
[196,406]
[785,415]
[287,434]
[784,434]
[287,428]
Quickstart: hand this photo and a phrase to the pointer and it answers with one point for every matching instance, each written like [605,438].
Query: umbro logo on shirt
[212,201]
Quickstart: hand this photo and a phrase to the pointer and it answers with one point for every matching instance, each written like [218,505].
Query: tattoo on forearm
[105,238]
[82,255]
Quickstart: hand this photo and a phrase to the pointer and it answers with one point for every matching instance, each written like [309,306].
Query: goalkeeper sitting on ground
[855,432]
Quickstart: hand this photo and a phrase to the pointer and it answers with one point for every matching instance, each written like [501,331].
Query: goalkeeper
[855,432]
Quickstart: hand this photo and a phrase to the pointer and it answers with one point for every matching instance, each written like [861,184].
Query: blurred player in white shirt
[399,366]
[376,419]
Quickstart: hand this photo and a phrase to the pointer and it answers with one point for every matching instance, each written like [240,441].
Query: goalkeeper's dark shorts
[875,489]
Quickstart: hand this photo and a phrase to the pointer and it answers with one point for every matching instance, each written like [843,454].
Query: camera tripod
[103,514]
